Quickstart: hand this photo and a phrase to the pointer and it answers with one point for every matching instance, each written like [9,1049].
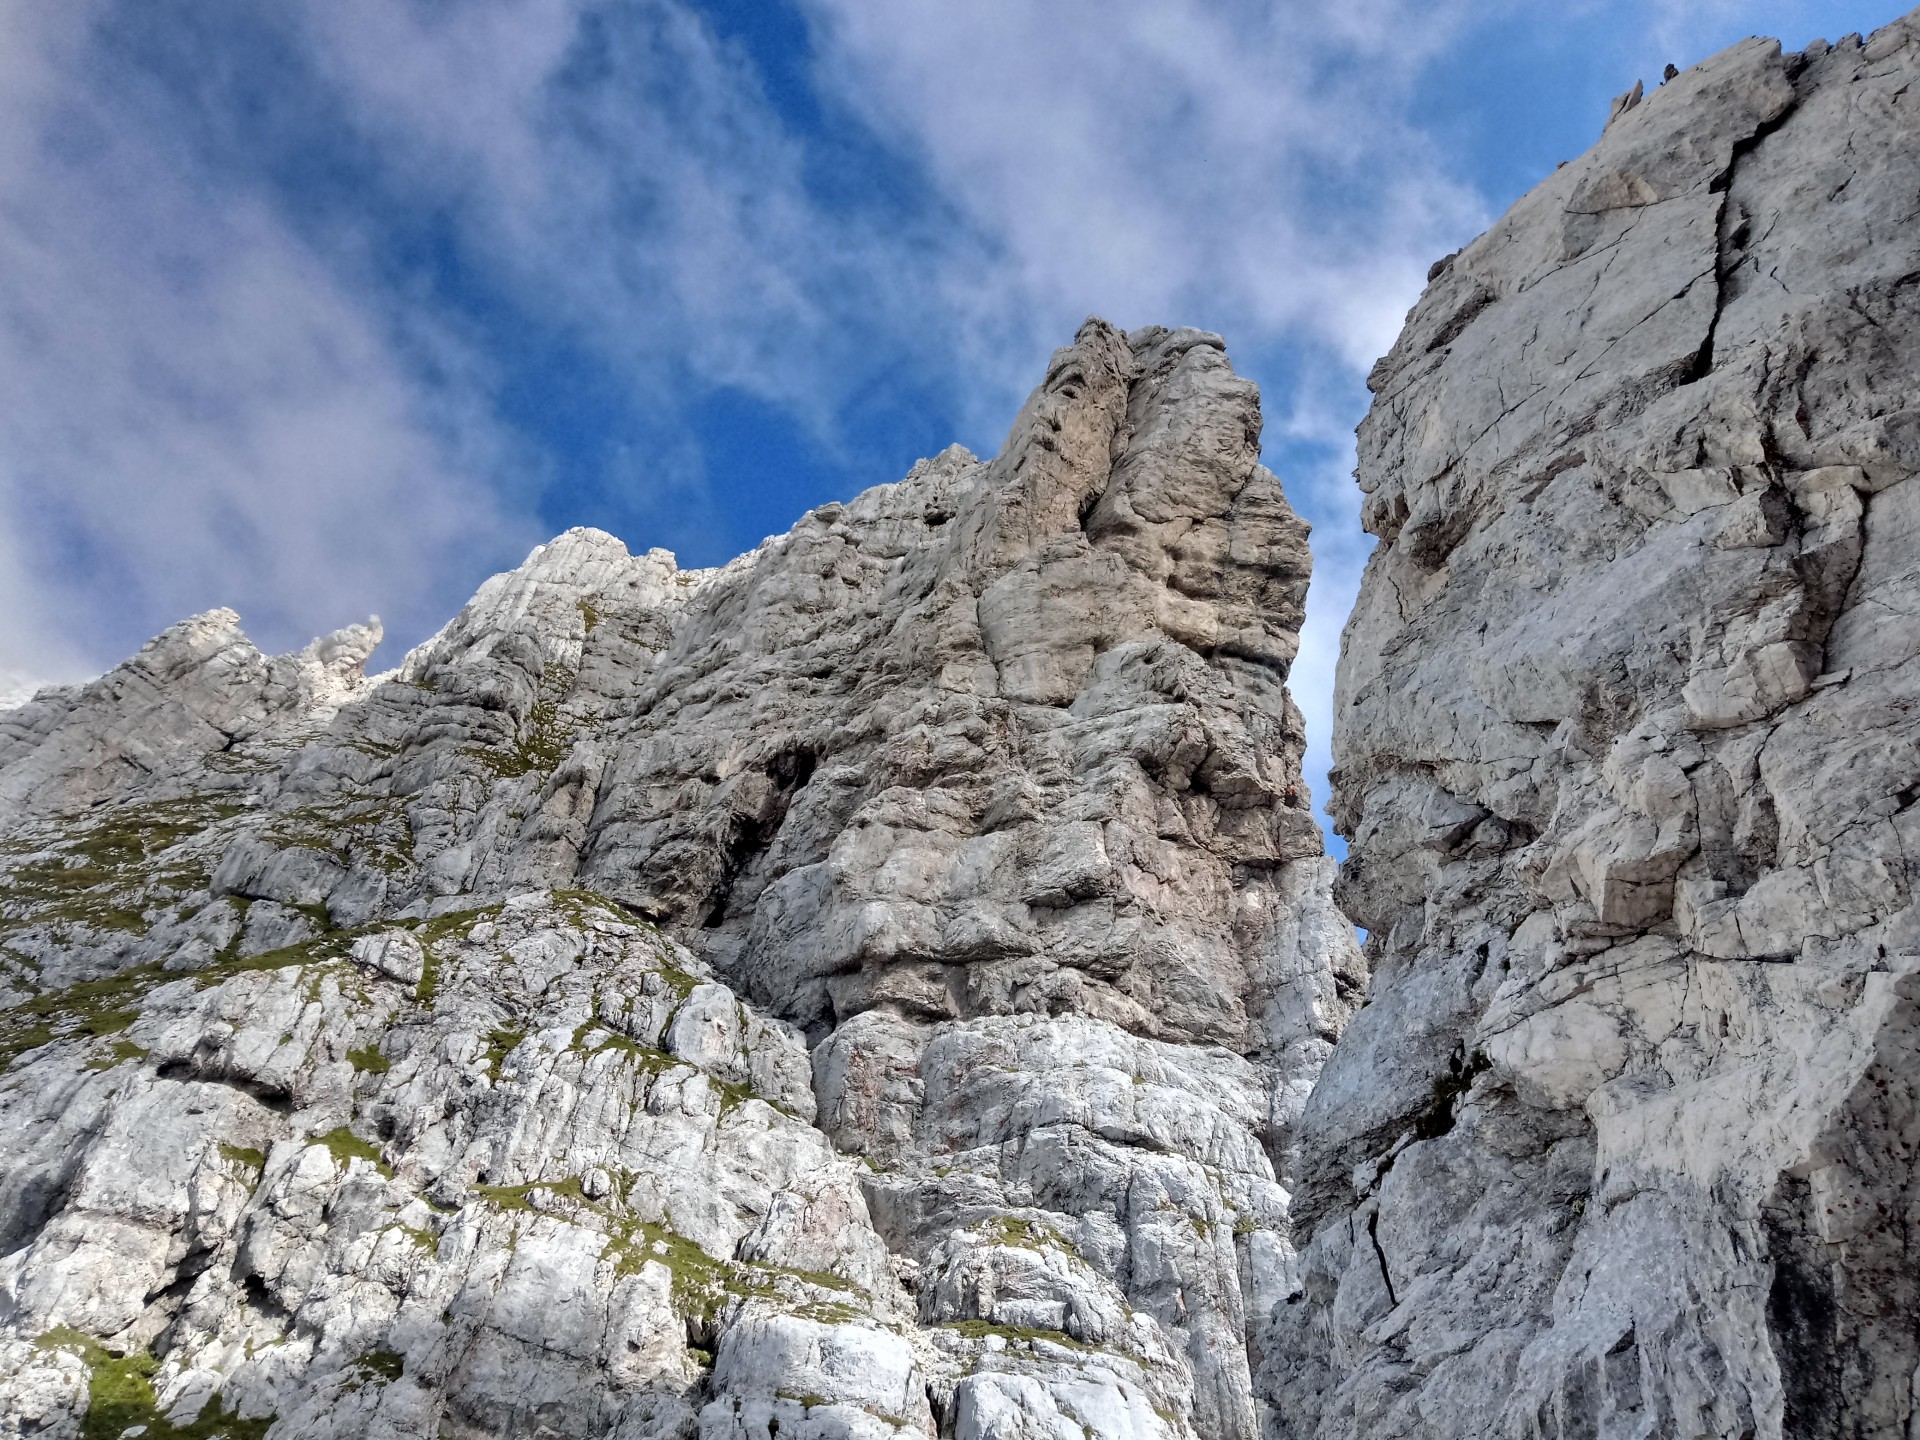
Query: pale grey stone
[440,1053]
[1627,748]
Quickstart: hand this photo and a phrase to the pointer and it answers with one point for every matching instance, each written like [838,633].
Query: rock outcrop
[869,988]
[891,984]
[1628,748]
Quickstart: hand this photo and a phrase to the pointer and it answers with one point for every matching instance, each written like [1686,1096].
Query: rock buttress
[1626,746]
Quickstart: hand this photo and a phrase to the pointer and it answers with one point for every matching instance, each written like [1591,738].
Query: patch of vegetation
[254,1160]
[102,872]
[368,830]
[1022,1234]
[428,985]
[96,1009]
[679,981]
[514,1197]
[645,1057]
[120,1397]
[733,1093]
[808,1400]
[345,1146]
[701,1285]
[454,923]
[383,1366]
[90,1010]
[589,614]
[235,762]
[431,933]
[980,1329]
[119,1054]
[500,1044]
[369,1061]
[540,744]
[376,1367]
[373,749]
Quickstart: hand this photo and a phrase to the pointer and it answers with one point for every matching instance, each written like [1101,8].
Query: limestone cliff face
[891,984]
[868,988]
[1628,746]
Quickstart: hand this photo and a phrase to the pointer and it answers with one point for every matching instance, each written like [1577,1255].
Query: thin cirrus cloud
[612,166]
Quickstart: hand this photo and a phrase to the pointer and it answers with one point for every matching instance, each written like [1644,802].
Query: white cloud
[200,410]
[621,170]
[1161,160]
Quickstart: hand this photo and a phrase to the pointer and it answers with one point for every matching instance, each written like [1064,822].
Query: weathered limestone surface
[1628,748]
[868,988]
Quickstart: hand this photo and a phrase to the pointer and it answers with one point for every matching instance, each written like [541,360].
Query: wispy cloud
[1167,160]
[620,169]
[200,410]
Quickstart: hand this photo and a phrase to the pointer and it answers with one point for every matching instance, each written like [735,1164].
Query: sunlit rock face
[869,988]
[1628,748]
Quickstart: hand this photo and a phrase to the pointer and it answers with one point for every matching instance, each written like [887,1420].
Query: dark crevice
[40,1198]
[1802,1318]
[1730,232]
[753,835]
[1088,504]
[185,1274]
[273,1097]
[263,1300]
[1373,1234]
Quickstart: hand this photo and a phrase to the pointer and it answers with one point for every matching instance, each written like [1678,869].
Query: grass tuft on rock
[120,1397]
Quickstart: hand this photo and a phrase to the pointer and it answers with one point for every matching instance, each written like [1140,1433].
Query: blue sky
[333,307]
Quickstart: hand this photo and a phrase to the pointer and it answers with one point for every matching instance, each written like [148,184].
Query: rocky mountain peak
[891,985]
[875,982]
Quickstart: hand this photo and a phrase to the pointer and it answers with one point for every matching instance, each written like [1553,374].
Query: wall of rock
[1628,748]
[869,988]
[891,984]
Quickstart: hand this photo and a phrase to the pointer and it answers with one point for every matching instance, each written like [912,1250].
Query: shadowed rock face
[866,988]
[1628,743]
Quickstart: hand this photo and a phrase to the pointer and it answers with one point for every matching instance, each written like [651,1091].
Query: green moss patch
[980,1329]
[119,1053]
[380,1367]
[541,743]
[500,1044]
[254,1160]
[367,830]
[345,1146]
[1022,1234]
[120,1396]
[107,871]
